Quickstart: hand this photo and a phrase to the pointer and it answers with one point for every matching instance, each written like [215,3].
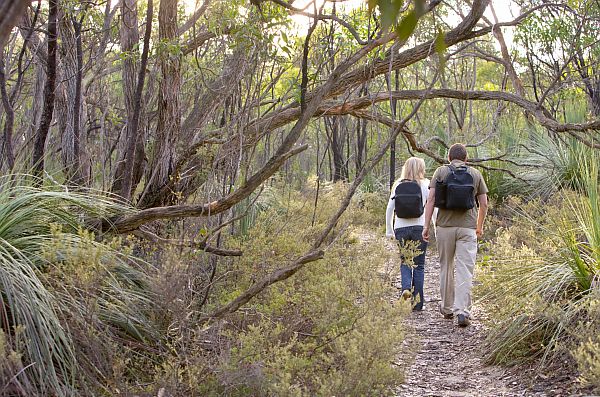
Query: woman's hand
[426,233]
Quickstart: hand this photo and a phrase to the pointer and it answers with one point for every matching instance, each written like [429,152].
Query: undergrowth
[541,280]
[328,330]
[82,315]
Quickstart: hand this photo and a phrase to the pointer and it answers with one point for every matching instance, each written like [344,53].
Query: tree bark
[11,12]
[42,132]
[361,137]
[133,134]
[68,103]
[336,143]
[9,122]
[129,39]
[76,170]
[169,111]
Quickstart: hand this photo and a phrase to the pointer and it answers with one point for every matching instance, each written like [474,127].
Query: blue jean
[413,278]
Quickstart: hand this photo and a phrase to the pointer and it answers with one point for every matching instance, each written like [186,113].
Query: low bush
[540,278]
[328,330]
[83,317]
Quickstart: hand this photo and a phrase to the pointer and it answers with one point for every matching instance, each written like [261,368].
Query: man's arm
[483,206]
[429,212]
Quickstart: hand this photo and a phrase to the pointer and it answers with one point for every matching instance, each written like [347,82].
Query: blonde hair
[414,169]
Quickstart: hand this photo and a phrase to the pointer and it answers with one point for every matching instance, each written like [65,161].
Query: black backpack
[456,192]
[408,199]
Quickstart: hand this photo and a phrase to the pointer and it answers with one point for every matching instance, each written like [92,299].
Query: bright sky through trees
[505,11]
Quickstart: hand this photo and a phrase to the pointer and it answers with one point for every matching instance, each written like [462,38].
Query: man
[457,232]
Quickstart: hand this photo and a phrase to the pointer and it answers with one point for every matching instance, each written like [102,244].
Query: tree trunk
[129,179]
[11,12]
[77,105]
[10,120]
[336,139]
[169,113]
[394,108]
[129,40]
[68,103]
[42,132]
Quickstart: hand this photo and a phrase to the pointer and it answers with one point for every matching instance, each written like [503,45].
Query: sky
[506,10]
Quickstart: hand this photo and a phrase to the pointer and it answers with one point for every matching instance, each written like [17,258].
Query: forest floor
[442,359]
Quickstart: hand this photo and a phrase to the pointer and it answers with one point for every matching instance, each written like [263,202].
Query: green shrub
[328,330]
[540,278]
[587,354]
[60,289]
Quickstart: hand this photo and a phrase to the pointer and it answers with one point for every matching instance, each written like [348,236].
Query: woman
[410,229]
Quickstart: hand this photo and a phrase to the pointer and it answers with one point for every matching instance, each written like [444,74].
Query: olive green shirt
[458,218]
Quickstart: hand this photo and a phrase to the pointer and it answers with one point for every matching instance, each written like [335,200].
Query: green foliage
[330,329]
[540,278]
[43,253]
[390,12]
[550,165]
[409,250]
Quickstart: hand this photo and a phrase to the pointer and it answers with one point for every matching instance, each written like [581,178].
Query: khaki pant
[457,247]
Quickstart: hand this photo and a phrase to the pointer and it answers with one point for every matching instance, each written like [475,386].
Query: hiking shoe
[447,316]
[463,320]
[406,294]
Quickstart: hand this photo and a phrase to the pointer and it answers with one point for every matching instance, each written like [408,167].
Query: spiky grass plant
[542,272]
[550,165]
[30,305]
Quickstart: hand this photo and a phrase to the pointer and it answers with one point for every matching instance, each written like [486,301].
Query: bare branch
[278,275]
[200,245]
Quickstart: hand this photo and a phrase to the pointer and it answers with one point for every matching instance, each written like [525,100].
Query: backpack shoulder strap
[462,167]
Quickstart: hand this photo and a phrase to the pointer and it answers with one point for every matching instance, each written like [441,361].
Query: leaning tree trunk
[169,113]
[42,132]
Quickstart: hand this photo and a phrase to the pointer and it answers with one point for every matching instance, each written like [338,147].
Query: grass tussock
[60,288]
[541,279]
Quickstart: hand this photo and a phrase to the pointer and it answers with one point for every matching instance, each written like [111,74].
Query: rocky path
[443,359]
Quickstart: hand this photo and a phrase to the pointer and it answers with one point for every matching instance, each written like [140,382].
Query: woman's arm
[389,215]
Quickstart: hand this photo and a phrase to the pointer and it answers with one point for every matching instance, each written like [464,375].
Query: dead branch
[127,224]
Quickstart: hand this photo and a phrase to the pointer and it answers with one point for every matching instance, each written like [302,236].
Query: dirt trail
[443,359]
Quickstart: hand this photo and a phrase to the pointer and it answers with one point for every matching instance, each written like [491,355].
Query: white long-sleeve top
[393,222]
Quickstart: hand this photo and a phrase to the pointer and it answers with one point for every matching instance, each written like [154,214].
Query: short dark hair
[458,151]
